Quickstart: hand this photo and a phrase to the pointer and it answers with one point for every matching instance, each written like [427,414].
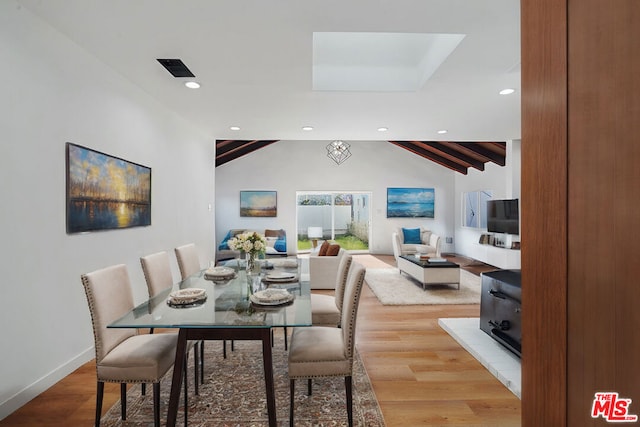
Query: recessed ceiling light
[507,91]
[383,129]
[234,127]
[192,85]
[442,131]
[307,128]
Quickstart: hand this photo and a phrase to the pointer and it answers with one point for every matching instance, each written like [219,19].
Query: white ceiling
[254,60]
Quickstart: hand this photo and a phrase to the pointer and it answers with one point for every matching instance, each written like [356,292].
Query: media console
[500,308]
[494,255]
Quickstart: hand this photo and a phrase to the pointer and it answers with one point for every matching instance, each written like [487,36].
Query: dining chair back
[326,309]
[188,260]
[123,355]
[321,351]
[157,274]
[341,279]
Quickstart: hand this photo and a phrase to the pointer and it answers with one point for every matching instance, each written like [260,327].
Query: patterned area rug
[393,288]
[233,394]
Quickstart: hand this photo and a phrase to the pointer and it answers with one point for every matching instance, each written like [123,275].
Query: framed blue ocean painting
[105,192]
[411,202]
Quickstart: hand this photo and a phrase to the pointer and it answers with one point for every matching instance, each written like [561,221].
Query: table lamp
[314,233]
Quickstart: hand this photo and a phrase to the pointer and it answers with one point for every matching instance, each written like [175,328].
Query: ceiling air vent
[176,67]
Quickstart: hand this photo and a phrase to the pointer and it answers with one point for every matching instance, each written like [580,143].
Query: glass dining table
[227,313]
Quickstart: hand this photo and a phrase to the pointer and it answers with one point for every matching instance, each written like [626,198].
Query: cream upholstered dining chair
[189,264]
[325,309]
[322,351]
[188,260]
[123,355]
[157,274]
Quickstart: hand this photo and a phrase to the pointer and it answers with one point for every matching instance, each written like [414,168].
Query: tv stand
[506,259]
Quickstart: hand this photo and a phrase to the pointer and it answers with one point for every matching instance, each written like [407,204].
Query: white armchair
[323,270]
[429,244]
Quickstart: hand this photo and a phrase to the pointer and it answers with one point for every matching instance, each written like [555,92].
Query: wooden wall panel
[604,204]
[581,207]
[544,212]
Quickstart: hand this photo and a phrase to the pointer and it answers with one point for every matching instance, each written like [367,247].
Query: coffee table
[430,273]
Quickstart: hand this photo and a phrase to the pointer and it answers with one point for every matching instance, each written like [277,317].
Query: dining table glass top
[228,304]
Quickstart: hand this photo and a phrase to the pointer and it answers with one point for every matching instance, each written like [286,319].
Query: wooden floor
[420,375]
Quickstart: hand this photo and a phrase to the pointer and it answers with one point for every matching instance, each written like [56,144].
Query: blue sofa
[276,244]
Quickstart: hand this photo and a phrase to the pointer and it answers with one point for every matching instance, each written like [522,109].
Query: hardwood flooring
[420,375]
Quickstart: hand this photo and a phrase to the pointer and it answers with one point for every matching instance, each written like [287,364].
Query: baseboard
[31,391]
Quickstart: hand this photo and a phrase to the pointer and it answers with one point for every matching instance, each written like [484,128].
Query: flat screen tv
[503,216]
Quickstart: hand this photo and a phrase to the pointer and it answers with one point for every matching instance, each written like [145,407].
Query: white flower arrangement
[250,242]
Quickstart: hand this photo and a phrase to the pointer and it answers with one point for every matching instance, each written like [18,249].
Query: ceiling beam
[228,150]
[448,151]
[495,152]
[458,156]
[415,148]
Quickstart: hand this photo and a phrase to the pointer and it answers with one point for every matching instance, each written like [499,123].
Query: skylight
[387,62]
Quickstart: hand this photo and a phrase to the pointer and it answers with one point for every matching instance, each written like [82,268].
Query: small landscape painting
[259,203]
[410,202]
[105,192]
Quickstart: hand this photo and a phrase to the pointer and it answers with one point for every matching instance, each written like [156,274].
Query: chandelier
[338,151]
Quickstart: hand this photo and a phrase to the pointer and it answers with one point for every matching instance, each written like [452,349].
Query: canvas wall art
[258,203]
[411,202]
[105,192]
[474,208]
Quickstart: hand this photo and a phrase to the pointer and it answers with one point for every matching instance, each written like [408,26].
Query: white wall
[503,181]
[52,92]
[290,166]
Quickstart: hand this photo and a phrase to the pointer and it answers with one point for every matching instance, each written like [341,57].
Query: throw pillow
[411,236]
[281,245]
[273,233]
[333,250]
[323,248]
[271,241]
[426,235]
[224,245]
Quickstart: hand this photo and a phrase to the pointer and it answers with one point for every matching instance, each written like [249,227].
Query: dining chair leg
[196,366]
[202,362]
[156,404]
[143,389]
[309,387]
[99,395]
[286,345]
[292,386]
[123,401]
[348,388]
[224,349]
[186,402]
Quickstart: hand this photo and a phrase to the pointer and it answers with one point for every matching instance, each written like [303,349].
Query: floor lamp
[314,233]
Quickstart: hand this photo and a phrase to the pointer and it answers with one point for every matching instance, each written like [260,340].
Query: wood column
[544,212]
[581,207]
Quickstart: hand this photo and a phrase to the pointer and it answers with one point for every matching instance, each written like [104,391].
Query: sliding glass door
[338,216]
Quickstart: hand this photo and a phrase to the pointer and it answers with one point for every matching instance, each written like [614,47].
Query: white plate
[220,272]
[271,295]
[285,263]
[280,276]
[187,296]
[254,299]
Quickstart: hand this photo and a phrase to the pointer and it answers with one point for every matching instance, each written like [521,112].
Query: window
[343,217]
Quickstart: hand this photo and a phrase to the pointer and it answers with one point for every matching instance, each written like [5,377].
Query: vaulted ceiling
[269,70]
[457,156]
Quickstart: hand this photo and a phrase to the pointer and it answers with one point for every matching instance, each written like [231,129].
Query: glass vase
[251,263]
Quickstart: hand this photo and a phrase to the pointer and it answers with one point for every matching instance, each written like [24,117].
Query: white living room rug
[393,288]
